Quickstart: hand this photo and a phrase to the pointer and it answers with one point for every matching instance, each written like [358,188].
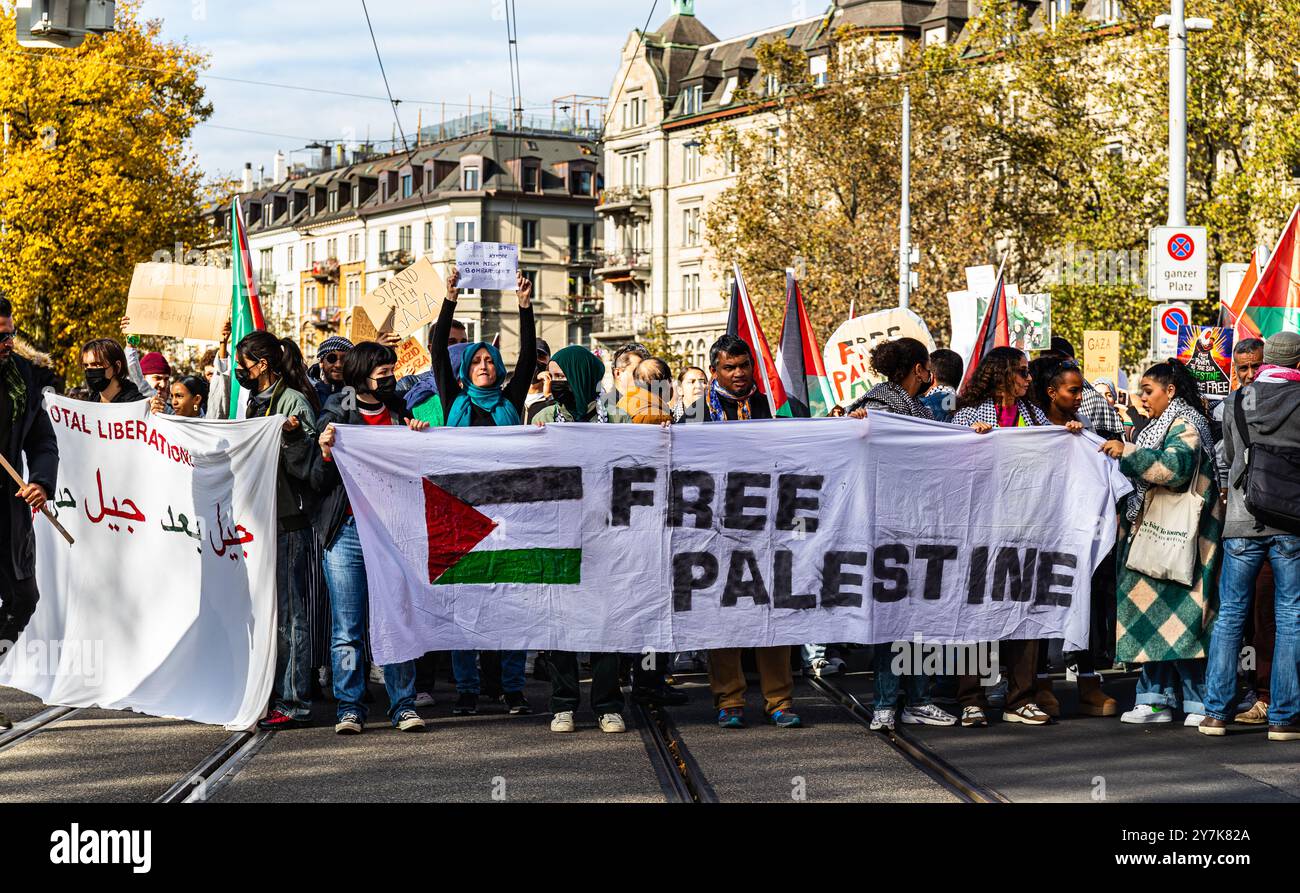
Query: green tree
[95,175]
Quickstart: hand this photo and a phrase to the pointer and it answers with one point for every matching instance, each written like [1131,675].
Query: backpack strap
[1243,430]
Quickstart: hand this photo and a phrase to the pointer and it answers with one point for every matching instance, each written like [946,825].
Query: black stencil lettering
[737,500]
[685,580]
[835,578]
[884,573]
[783,584]
[789,503]
[700,507]
[1047,578]
[979,569]
[623,496]
[934,556]
[744,580]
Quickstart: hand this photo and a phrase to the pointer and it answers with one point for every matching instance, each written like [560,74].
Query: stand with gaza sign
[848,352]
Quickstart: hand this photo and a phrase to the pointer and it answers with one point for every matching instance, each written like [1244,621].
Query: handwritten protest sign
[1206,351]
[412,297]
[412,358]
[360,328]
[178,301]
[848,352]
[491,265]
[1101,355]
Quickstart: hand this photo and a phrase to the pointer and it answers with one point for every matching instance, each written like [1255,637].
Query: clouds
[434,51]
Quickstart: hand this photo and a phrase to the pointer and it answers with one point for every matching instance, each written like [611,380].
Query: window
[354,290]
[332,248]
[353,241]
[935,36]
[633,167]
[774,140]
[694,99]
[691,161]
[580,183]
[334,201]
[264,263]
[1111,11]
[817,68]
[471,179]
[691,291]
[727,91]
[771,86]
[530,234]
[383,241]
[332,295]
[1057,10]
[428,236]
[312,205]
[290,259]
[634,112]
[311,254]
[310,294]
[530,178]
[266,214]
[408,185]
[466,231]
[404,238]
[691,226]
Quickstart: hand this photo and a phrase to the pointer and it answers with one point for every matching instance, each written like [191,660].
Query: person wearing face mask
[105,366]
[271,370]
[369,398]
[575,377]
[25,431]
[1162,624]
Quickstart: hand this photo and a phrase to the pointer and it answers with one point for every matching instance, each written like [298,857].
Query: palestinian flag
[1230,311]
[799,360]
[245,309]
[994,330]
[502,526]
[742,322]
[1274,303]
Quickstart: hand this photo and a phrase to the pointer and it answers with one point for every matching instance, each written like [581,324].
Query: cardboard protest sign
[178,301]
[412,358]
[1101,355]
[360,328]
[411,297]
[848,352]
[490,265]
[1206,351]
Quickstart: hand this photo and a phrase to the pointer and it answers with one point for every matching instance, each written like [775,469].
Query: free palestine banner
[166,602]
[627,537]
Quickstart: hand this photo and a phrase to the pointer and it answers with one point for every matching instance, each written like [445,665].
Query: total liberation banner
[166,604]
[626,538]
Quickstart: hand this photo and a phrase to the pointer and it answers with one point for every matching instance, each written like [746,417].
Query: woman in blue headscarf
[472,395]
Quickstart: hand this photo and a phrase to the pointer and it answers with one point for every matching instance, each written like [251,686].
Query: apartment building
[322,240]
[674,83]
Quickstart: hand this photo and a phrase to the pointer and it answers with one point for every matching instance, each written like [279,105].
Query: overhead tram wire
[516,102]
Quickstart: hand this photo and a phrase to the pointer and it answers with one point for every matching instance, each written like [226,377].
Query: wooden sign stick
[45,509]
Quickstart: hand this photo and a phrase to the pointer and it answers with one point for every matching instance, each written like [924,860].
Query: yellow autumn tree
[95,175]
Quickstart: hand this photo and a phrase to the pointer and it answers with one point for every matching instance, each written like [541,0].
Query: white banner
[626,537]
[166,603]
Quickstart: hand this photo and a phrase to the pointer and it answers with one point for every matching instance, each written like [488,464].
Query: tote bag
[1164,545]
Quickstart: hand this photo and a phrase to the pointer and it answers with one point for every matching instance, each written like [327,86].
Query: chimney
[261,175]
[340,155]
[278,169]
[248,176]
[325,157]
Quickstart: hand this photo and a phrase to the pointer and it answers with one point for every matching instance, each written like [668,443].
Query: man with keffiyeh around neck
[730,396]
[24,430]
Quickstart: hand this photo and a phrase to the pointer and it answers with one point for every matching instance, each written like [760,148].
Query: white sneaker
[882,719]
[612,722]
[1030,714]
[1193,719]
[1148,713]
[927,715]
[563,722]
[824,666]
[424,699]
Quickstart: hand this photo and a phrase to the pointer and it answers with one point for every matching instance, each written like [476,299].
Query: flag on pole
[852,304]
[245,309]
[799,360]
[1274,303]
[1230,312]
[743,323]
[994,330]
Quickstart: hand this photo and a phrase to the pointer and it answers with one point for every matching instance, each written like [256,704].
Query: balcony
[581,257]
[584,305]
[625,266]
[324,317]
[624,200]
[624,325]
[326,270]
[398,258]
[266,284]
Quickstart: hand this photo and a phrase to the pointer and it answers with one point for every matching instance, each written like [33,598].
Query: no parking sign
[1165,320]
[1178,267]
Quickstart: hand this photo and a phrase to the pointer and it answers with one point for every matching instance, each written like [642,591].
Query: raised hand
[524,288]
[452,291]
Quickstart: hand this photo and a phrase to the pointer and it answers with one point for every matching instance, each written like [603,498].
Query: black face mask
[385,387]
[562,393]
[246,381]
[97,380]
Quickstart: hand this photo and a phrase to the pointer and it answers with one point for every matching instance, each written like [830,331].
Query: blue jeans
[1158,684]
[292,673]
[1242,559]
[917,688]
[345,575]
[464,665]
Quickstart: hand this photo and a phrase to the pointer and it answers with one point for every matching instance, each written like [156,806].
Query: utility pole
[905,212]
[1178,25]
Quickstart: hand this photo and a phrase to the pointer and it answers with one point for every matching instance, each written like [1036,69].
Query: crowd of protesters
[1185,637]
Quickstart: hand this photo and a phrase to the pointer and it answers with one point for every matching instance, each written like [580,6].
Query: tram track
[217,769]
[35,724]
[919,755]
[680,776]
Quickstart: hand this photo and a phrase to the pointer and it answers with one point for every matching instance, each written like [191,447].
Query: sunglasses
[332,357]
[7,336]
[1023,373]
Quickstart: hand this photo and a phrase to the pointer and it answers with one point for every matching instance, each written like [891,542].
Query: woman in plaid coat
[1162,624]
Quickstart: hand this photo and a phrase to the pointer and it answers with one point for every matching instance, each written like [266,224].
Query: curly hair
[1047,372]
[994,376]
[896,359]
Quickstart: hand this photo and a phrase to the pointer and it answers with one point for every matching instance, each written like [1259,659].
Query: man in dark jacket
[731,394]
[25,429]
[328,379]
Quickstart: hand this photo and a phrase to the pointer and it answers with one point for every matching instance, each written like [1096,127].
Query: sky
[434,51]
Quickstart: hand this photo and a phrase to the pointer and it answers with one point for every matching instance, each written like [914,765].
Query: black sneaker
[661,696]
[466,704]
[517,703]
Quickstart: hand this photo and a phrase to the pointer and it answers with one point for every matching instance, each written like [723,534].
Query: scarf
[426,383]
[987,412]
[17,388]
[583,370]
[717,393]
[893,399]
[490,399]
[1153,435]
[1275,374]
[644,407]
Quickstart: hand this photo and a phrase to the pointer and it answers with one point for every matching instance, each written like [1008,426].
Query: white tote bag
[1164,545]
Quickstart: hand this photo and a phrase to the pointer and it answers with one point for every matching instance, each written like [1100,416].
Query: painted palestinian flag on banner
[994,330]
[1274,302]
[799,360]
[500,526]
[742,322]
[245,309]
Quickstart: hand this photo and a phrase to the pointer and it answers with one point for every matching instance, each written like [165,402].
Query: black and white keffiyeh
[1153,435]
[892,398]
[987,412]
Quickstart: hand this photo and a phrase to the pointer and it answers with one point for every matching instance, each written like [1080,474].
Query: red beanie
[154,364]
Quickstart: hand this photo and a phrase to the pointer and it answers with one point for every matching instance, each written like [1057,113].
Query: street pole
[905,212]
[1177,114]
